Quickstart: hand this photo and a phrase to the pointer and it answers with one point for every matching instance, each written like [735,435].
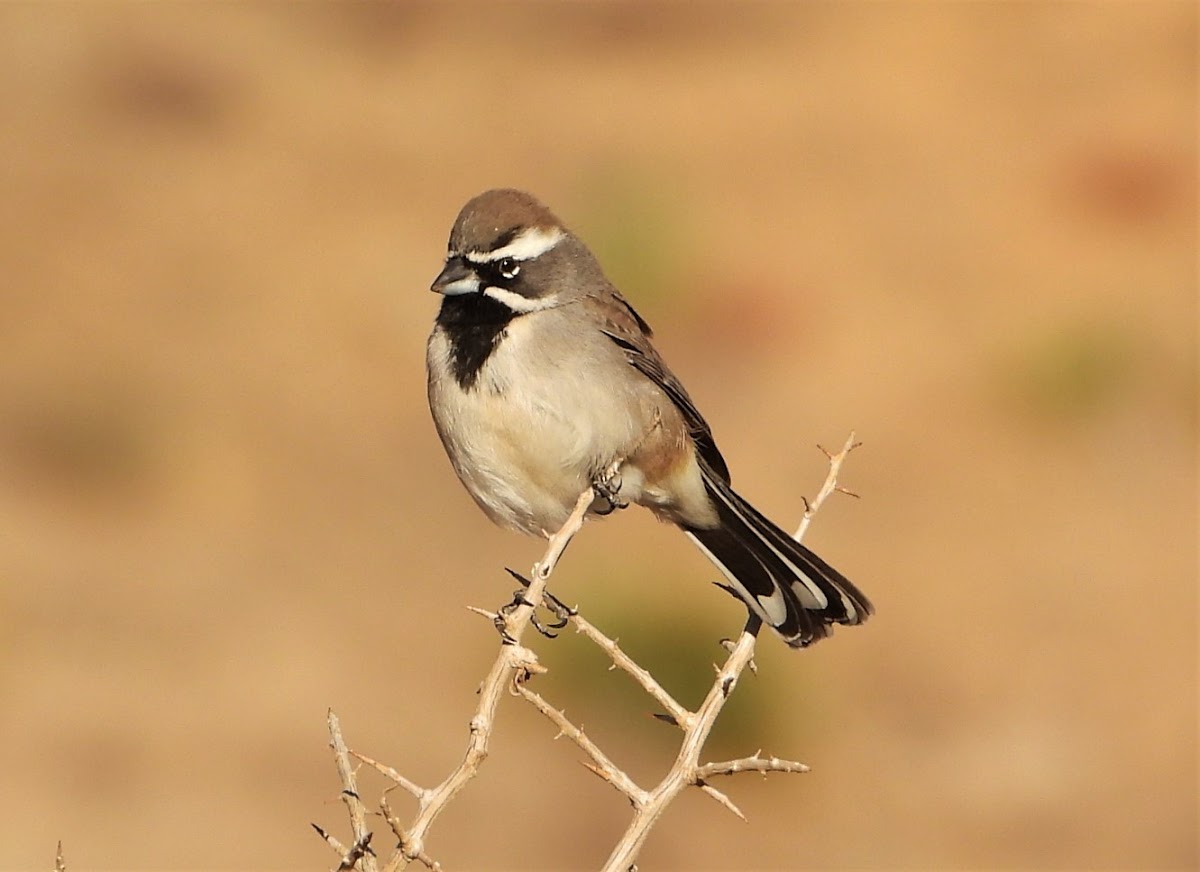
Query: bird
[543,381]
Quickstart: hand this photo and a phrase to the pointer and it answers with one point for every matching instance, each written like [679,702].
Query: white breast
[539,422]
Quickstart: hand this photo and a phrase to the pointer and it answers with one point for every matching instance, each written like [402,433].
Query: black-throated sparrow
[542,377]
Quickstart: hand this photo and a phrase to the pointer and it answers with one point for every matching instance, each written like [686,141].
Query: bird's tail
[793,590]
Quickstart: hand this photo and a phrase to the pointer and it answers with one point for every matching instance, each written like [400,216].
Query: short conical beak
[456,278]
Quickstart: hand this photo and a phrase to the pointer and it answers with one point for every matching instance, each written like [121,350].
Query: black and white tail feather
[789,587]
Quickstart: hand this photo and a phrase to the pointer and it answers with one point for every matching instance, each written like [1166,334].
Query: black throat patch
[474,324]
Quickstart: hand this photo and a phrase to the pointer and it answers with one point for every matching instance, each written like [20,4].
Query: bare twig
[678,714]
[749,764]
[687,770]
[830,485]
[358,812]
[388,772]
[331,840]
[360,853]
[513,660]
[721,798]
[402,836]
[349,856]
[512,668]
[683,771]
[603,766]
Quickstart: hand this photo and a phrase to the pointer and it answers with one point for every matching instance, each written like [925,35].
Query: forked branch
[687,769]
[512,669]
[512,661]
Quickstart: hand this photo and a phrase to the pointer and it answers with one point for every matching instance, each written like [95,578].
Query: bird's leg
[607,485]
[562,612]
[542,570]
[505,611]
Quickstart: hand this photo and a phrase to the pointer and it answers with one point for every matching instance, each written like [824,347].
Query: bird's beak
[456,278]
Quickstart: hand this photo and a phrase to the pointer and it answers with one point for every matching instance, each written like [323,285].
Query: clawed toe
[562,612]
[608,487]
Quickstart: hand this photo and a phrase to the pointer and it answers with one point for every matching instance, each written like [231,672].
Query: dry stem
[358,812]
[512,668]
[512,661]
[687,769]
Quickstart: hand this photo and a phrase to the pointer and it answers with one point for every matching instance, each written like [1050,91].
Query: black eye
[508,267]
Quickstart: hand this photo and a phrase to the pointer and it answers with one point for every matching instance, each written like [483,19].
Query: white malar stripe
[811,596]
[519,303]
[531,243]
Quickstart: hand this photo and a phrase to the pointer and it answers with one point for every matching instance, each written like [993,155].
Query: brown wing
[631,333]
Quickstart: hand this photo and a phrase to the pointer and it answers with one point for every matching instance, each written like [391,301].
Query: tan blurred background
[966,231]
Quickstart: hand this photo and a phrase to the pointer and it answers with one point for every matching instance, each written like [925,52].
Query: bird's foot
[607,486]
[562,612]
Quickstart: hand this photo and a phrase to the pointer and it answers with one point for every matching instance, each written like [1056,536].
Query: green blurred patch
[679,646]
[1072,372]
[637,226]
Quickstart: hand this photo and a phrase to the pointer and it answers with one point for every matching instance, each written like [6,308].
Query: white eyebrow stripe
[518,303]
[531,243]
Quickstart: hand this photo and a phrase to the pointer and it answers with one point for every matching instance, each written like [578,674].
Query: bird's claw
[562,612]
[607,486]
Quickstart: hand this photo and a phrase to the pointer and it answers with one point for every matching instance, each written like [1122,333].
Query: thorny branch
[512,661]
[513,668]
